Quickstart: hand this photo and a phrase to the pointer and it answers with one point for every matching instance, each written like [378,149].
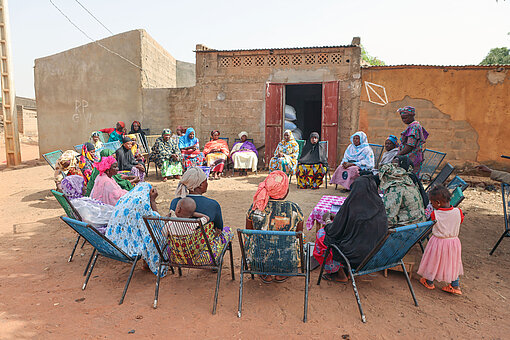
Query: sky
[433,32]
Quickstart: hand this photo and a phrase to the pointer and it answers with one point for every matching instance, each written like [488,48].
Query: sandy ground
[41,294]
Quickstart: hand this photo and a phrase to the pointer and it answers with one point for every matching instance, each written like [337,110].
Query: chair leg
[307,281]
[421,246]
[156,293]
[231,261]
[172,269]
[179,270]
[240,304]
[84,241]
[217,287]
[323,264]
[90,272]
[409,282]
[129,280]
[499,241]
[363,318]
[74,249]
[88,263]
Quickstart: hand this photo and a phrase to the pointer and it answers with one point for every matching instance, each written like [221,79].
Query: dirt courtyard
[41,296]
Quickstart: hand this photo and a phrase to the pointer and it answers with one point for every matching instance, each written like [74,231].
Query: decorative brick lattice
[284,60]
[236,61]
[259,60]
[271,60]
[310,59]
[225,62]
[322,58]
[296,59]
[336,58]
[247,61]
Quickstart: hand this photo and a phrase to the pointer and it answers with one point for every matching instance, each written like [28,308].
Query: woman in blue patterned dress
[286,154]
[127,230]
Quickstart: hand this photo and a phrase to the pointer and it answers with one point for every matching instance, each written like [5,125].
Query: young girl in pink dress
[441,260]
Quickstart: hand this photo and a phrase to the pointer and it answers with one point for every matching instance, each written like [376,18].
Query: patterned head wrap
[166,132]
[290,134]
[72,186]
[106,153]
[242,133]
[122,124]
[274,186]
[190,180]
[407,110]
[215,131]
[393,139]
[95,134]
[105,164]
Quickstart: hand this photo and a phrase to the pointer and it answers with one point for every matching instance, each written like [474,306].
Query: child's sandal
[452,290]
[423,281]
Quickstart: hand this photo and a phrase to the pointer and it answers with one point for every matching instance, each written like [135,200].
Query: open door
[274,118]
[330,119]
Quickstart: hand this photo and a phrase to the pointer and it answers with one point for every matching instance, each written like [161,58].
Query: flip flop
[285,278]
[264,278]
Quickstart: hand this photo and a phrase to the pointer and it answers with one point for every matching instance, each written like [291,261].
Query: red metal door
[274,118]
[330,119]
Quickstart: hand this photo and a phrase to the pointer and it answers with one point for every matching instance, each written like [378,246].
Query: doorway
[306,99]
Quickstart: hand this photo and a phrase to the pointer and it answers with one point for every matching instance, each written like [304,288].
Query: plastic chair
[431,161]
[272,253]
[388,253]
[378,151]
[52,157]
[180,248]
[102,246]
[457,182]
[505,195]
[441,177]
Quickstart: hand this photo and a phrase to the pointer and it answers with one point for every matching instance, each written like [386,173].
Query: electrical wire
[92,15]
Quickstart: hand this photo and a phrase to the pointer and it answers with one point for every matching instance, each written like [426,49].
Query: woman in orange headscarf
[270,211]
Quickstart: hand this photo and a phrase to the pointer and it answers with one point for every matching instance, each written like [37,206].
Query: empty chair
[457,182]
[431,161]
[102,246]
[378,151]
[505,195]
[388,253]
[441,177]
[267,252]
[112,145]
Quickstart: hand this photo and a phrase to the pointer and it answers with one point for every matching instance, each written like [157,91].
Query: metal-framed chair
[457,182]
[181,247]
[112,145]
[103,136]
[52,157]
[78,148]
[273,253]
[457,197]
[301,144]
[441,177]
[104,247]
[230,162]
[431,161]
[151,140]
[505,196]
[388,253]
[247,139]
[378,151]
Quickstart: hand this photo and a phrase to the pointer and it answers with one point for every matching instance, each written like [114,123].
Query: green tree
[369,59]
[498,55]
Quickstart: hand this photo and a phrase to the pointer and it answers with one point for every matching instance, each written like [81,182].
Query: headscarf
[407,110]
[190,180]
[292,139]
[95,134]
[274,186]
[180,128]
[122,124]
[67,156]
[362,155]
[405,163]
[242,133]
[214,131]
[393,139]
[313,153]
[360,224]
[126,139]
[185,141]
[106,153]
[105,164]
[166,132]
[140,131]
[72,186]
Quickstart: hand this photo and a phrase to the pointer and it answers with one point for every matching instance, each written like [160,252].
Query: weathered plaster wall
[465,109]
[159,65]
[186,76]
[85,89]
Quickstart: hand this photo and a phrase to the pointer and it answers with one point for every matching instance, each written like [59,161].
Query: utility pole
[12,145]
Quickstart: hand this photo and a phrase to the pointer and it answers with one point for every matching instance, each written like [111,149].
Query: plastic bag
[290,125]
[290,113]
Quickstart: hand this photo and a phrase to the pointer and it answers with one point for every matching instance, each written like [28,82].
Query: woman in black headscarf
[312,165]
[136,127]
[357,228]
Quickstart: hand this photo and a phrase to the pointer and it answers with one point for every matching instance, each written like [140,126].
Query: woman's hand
[153,193]
[484,169]
[347,165]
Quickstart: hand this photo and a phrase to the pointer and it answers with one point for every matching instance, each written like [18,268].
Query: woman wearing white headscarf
[244,154]
[358,156]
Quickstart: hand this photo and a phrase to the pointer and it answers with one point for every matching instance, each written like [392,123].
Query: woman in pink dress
[106,189]
[441,260]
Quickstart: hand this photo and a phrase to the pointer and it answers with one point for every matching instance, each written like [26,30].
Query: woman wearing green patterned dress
[404,197]
[167,156]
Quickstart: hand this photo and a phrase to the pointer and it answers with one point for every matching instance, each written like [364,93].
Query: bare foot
[165,179]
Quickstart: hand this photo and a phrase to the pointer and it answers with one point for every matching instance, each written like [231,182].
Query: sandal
[334,278]
[266,278]
[452,290]
[281,279]
[423,281]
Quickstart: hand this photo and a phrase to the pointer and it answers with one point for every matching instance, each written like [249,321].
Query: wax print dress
[216,160]
[288,162]
[312,165]
[161,154]
[415,136]
[127,230]
[191,157]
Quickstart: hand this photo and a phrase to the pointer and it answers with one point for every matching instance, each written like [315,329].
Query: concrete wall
[159,65]
[465,109]
[186,75]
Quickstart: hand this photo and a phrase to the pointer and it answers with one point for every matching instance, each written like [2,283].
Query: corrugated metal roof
[277,49]
[435,66]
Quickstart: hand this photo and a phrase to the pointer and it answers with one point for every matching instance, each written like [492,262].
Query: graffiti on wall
[80,113]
